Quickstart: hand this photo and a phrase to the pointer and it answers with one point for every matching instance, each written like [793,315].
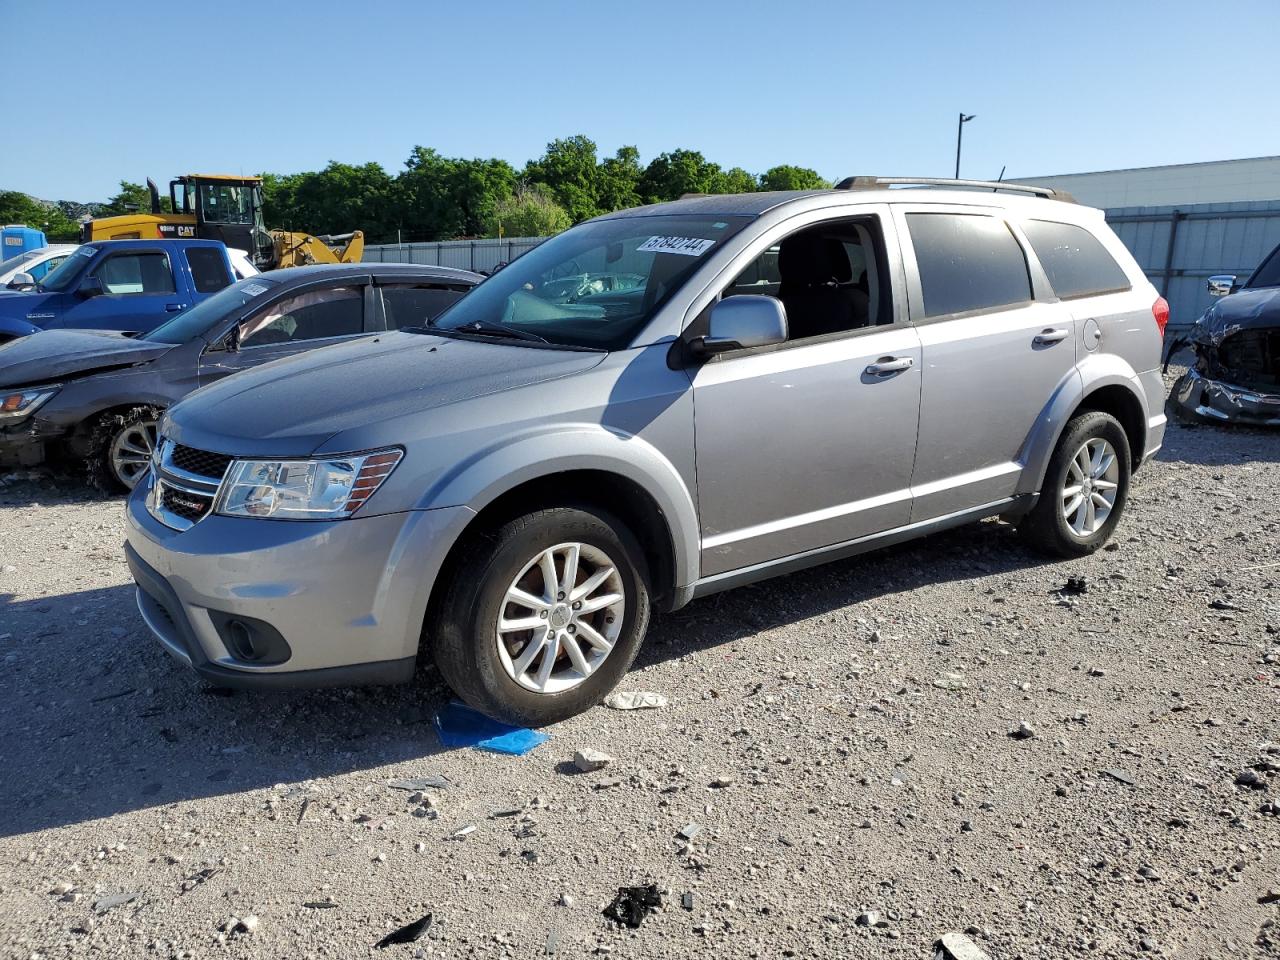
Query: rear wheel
[544,615]
[120,448]
[1085,488]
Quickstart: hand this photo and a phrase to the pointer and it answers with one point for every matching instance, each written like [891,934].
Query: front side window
[208,269]
[135,273]
[597,284]
[1267,275]
[967,262]
[41,270]
[415,305]
[314,315]
[220,203]
[1076,264]
[61,278]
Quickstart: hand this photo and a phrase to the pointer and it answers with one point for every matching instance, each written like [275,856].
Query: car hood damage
[292,406]
[1235,377]
[56,355]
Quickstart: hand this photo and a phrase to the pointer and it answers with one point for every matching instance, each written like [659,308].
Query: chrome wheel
[1090,489]
[561,617]
[131,452]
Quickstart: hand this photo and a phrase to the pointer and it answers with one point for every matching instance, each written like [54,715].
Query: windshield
[598,284]
[1268,275]
[220,203]
[13,263]
[62,276]
[206,314]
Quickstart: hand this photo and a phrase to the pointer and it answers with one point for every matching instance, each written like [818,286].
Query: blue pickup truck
[118,285]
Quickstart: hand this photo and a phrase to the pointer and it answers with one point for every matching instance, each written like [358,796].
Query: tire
[113,435]
[1049,527]
[487,672]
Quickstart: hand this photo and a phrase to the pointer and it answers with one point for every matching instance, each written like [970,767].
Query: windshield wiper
[490,328]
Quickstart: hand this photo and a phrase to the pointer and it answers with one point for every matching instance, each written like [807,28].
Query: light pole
[964,118]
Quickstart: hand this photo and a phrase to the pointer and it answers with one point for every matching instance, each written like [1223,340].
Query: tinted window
[967,262]
[314,315]
[1076,263]
[127,273]
[41,269]
[208,269]
[203,319]
[413,306]
[1268,275]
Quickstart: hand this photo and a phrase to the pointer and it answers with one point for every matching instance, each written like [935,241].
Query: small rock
[566,900]
[687,900]
[464,831]
[635,700]
[870,919]
[719,783]
[62,888]
[956,946]
[690,830]
[247,924]
[1024,732]
[1147,945]
[588,761]
[1251,779]
[1097,672]
[1120,775]
[1270,896]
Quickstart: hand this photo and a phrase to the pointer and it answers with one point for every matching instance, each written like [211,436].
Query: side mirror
[1222,285]
[90,287]
[20,281]
[739,323]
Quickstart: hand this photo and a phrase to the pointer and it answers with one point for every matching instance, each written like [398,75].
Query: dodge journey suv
[650,407]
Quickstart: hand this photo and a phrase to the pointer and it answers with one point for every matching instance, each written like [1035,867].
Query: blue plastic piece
[460,726]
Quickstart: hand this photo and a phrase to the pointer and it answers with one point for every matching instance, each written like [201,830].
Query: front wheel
[543,616]
[1085,488]
[120,448]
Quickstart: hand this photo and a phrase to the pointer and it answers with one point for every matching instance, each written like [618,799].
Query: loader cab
[225,208]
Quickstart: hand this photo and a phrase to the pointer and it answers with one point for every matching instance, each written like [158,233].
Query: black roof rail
[875,183]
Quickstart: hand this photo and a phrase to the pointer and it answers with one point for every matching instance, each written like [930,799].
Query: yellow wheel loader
[212,206]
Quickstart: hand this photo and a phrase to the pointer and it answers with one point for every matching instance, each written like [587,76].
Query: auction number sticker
[685,246]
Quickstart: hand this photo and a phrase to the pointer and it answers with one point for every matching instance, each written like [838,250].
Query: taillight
[1160,310]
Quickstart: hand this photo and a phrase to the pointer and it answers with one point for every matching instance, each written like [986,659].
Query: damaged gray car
[1235,376]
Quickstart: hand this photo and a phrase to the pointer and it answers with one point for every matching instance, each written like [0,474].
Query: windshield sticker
[685,246]
[253,289]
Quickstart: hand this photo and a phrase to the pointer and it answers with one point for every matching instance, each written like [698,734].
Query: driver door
[303,319]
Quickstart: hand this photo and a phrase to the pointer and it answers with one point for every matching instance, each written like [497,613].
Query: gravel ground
[841,736]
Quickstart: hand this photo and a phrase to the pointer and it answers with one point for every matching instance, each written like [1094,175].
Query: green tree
[670,175]
[568,168]
[132,198]
[733,180]
[337,199]
[444,197]
[787,177]
[618,180]
[530,211]
[16,207]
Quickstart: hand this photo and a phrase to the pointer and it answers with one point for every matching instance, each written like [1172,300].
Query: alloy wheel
[131,452]
[561,617]
[1091,486]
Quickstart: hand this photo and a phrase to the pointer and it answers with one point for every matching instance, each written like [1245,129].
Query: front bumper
[1197,398]
[19,448]
[342,601]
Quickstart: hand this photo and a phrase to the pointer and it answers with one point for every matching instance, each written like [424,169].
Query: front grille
[189,506]
[200,462]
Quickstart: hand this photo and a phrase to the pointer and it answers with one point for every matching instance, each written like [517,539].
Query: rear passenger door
[996,348]
[303,319]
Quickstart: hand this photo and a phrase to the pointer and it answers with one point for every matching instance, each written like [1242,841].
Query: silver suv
[648,408]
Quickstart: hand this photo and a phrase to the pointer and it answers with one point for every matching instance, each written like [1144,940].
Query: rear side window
[413,305]
[1075,262]
[208,269]
[133,273]
[967,262]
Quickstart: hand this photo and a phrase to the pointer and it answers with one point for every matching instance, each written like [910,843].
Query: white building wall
[1223,181]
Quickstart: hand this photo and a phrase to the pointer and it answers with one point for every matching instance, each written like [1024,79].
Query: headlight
[327,489]
[18,404]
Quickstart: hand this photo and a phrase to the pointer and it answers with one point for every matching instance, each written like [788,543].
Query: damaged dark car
[94,396]
[1235,376]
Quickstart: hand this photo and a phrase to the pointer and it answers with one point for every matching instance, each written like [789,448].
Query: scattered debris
[1074,587]
[406,934]
[421,783]
[1120,775]
[458,725]
[635,700]
[1097,672]
[246,924]
[464,831]
[719,783]
[687,901]
[951,681]
[319,904]
[103,904]
[302,810]
[633,904]
[588,761]
[690,830]
[507,812]
[1270,896]
[956,946]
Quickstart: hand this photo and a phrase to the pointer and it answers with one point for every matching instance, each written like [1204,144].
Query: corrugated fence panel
[1209,238]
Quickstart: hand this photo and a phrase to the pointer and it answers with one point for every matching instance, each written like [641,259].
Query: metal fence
[466,254]
[1177,247]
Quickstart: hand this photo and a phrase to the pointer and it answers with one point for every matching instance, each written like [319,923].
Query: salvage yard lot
[856,717]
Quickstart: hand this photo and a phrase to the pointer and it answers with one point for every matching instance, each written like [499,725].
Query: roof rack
[875,183]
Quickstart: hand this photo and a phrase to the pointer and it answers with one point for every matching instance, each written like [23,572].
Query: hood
[1246,310]
[49,355]
[290,407]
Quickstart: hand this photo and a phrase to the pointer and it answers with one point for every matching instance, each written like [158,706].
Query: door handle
[887,365]
[1051,335]
[174,307]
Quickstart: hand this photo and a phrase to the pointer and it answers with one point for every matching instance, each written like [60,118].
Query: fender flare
[1087,377]
[480,480]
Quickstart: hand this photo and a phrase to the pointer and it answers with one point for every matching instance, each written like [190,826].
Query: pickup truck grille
[201,462]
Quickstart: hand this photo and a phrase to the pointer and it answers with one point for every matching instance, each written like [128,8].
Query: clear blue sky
[127,90]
